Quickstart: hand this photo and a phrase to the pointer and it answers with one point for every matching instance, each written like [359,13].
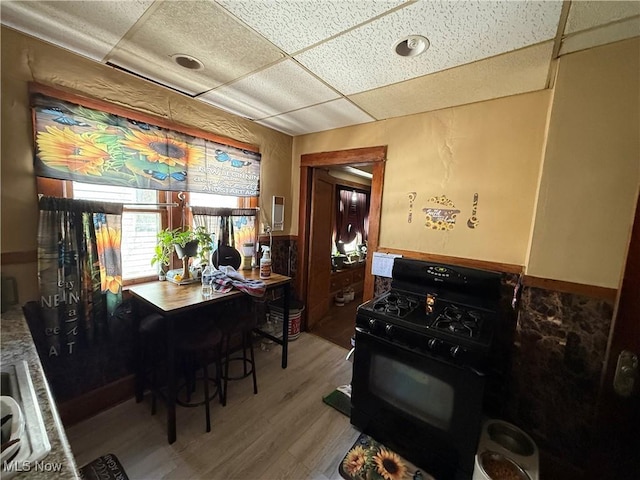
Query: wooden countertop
[169,297]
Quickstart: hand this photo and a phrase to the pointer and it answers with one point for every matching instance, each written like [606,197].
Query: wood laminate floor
[283,432]
[338,325]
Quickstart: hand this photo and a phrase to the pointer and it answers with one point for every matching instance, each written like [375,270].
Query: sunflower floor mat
[368,459]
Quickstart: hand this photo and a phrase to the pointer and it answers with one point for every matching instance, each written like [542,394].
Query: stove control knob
[455,351]
[389,329]
[372,324]
[432,344]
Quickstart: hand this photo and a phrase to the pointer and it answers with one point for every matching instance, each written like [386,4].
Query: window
[210,200]
[142,219]
[140,224]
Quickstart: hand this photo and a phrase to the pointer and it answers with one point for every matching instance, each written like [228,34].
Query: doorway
[616,442]
[314,281]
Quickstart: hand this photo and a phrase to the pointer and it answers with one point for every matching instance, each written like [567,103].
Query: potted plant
[185,243]
[206,242]
[163,251]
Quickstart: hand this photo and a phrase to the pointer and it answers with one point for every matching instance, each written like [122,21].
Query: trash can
[276,311]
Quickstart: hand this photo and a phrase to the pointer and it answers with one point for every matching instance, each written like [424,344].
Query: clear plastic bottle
[268,328]
[207,278]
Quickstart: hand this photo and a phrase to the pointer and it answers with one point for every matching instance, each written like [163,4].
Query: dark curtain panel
[362,214]
[352,216]
[80,279]
[79,270]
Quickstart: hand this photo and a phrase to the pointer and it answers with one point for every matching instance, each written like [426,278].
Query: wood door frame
[374,156]
[615,440]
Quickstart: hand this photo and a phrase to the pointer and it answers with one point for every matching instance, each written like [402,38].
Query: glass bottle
[207,279]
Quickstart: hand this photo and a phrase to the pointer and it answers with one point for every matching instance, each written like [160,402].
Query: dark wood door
[319,247]
[616,453]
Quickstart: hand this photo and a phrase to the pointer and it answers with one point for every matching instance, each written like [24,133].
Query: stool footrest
[213,395]
[240,377]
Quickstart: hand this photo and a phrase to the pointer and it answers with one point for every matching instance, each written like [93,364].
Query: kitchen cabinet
[349,277]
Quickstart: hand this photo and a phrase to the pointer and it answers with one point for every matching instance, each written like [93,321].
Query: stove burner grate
[396,305]
[459,321]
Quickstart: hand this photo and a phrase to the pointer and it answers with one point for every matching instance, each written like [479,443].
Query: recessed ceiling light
[412,46]
[187,61]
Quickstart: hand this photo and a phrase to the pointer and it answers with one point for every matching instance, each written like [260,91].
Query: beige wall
[590,148]
[580,142]
[25,59]
[591,169]
[493,148]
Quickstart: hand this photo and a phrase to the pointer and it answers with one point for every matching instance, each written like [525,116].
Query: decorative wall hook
[412,197]
[473,220]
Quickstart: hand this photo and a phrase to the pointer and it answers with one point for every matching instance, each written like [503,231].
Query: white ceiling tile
[459,32]
[202,30]
[513,73]
[245,73]
[594,37]
[293,24]
[330,115]
[89,28]
[588,14]
[281,88]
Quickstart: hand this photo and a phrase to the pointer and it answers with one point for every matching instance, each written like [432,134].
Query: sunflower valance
[74,142]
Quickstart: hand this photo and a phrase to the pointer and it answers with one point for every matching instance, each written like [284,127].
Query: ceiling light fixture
[187,61]
[412,46]
[357,171]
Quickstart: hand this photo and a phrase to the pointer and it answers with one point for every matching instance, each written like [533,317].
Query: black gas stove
[429,364]
[445,310]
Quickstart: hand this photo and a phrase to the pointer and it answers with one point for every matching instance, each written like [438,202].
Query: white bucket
[295,317]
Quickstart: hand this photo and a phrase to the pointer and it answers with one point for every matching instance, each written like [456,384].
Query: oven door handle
[406,348]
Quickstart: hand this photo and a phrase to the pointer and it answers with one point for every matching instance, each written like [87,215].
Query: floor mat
[107,467]
[339,401]
[368,459]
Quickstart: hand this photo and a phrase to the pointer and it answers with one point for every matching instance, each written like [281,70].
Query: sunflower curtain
[79,271]
[238,225]
[74,142]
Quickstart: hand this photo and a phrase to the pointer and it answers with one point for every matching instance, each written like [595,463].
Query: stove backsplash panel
[381,285]
[284,255]
[559,352]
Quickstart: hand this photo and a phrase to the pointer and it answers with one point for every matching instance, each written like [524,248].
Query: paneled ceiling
[307,66]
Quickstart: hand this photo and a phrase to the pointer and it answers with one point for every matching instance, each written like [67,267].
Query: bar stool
[196,347]
[150,339]
[241,323]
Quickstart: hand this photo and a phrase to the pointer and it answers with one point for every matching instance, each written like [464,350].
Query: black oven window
[412,391]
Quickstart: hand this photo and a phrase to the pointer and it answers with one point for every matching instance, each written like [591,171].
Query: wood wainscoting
[591,291]
[95,401]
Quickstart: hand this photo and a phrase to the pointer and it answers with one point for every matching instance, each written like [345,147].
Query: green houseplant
[186,243]
[206,246]
[163,252]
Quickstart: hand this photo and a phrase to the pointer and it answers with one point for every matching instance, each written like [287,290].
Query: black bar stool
[239,321]
[150,339]
[196,348]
